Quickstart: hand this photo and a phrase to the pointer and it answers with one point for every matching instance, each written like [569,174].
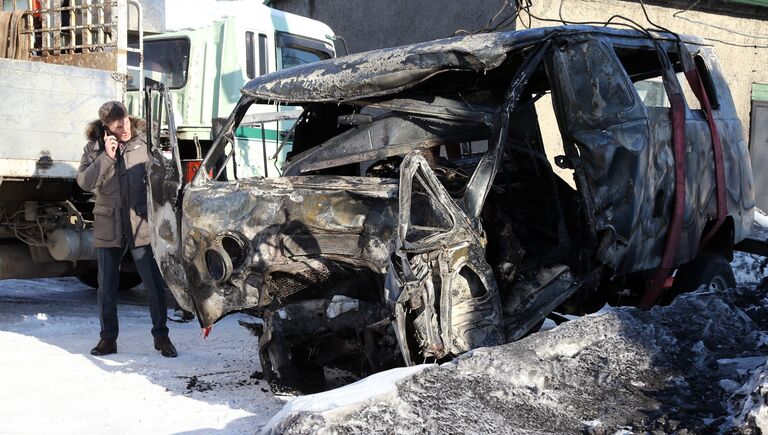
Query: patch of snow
[602,311]
[547,325]
[749,268]
[753,410]
[51,383]
[592,424]
[761,218]
[364,390]
[341,304]
[700,350]
[740,366]
[763,339]
[571,346]
[729,385]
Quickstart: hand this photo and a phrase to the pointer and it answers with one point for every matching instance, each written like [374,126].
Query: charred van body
[424,209]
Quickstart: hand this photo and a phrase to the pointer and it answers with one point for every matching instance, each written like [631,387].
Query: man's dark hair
[112,111]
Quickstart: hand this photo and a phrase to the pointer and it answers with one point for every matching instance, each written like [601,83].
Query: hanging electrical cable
[526,9]
[679,14]
[509,19]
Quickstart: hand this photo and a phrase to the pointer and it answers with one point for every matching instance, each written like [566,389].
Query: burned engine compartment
[421,212]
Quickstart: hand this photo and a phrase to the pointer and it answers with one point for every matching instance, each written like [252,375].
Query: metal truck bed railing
[83,33]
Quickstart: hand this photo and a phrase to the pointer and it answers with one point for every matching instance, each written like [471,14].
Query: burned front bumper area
[258,243]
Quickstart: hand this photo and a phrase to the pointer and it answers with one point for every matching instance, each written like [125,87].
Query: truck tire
[89,275]
[710,269]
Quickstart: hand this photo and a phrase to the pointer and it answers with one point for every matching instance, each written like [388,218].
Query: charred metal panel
[442,264]
[164,183]
[381,139]
[611,131]
[392,70]
[534,297]
[285,221]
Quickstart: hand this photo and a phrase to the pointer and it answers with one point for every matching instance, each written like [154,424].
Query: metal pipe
[264,147]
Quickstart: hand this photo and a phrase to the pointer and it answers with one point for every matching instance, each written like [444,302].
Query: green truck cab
[204,68]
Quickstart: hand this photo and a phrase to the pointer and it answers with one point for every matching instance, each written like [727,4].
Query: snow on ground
[51,384]
[698,365]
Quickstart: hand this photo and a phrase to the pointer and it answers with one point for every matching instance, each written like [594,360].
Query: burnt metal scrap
[419,214]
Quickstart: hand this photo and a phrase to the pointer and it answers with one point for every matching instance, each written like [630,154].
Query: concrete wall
[367,25]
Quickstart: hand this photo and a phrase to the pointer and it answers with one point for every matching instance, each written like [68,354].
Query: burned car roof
[379,72]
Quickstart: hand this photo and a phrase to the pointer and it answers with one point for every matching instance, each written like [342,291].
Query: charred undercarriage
[421,213]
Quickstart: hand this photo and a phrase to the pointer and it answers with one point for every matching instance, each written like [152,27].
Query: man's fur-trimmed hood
[95,129]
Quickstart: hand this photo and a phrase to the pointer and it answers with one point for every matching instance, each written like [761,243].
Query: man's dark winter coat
[119,186]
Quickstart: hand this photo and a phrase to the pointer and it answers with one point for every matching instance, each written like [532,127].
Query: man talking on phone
[113,167]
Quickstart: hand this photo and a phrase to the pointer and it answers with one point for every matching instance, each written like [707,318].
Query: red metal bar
[694,79]
[656,285]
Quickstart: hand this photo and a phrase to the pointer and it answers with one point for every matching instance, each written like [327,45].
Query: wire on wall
[507,21]
[679,14]
[522,13]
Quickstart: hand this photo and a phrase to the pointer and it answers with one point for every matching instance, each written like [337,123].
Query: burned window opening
[642,66]
[428,216]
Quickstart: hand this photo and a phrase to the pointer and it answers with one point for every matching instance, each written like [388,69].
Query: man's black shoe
[105,347]
[164,345]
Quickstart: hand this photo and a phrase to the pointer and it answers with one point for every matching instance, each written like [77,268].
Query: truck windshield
[165,61]
[293,56]
[298,50]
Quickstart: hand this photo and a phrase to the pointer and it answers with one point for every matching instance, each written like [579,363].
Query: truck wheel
[88,275]
[709,269]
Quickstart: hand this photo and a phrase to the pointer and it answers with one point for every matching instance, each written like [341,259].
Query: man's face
[121,129]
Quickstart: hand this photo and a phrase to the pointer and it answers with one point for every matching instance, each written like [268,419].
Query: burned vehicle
[428,207]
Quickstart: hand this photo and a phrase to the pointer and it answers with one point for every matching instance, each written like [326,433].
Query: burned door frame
[594,150]
[592,121]
[411,282]
[164,196]
[605,173]
[445,267]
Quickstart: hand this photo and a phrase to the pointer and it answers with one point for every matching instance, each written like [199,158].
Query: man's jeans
[109,276]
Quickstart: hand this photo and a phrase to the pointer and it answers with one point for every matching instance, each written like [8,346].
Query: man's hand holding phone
[110,145]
